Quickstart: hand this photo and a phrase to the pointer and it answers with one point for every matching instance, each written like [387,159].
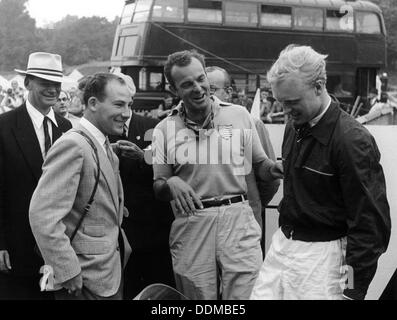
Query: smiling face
[43,94]
[191,84]
[301,101]
[111,113]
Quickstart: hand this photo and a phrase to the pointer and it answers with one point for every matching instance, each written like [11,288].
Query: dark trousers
[14,287]
[145,268]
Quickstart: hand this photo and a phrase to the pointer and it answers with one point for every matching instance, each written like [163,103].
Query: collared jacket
[334,187]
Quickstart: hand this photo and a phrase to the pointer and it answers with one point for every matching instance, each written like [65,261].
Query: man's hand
[184,196]
[277,170]
[5,264]
[74,285]
[129,150]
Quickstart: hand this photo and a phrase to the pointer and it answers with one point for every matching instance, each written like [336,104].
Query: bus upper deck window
[142,9]
[128,11]
[308,18]
[339,21]
[276,16]
[367,22]
[168,10]
[241,13]
[204,11]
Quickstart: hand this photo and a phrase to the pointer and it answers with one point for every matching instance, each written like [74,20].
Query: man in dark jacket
[334,217]
[149,222]
[26,134]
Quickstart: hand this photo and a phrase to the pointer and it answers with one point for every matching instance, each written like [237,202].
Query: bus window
[342,85]
[128,11]
[129,45]
[155,81]
[308,18]
[142,10]
[204,11]
[240,81]
[252,82]
[274,16]
[367,22]
[150,79]
[337,21]
[168,10]
[263,83]
[241,13]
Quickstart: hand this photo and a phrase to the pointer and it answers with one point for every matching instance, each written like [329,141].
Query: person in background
[334,216]
[18,94]
[265,106]
[148,226]
[62,106]
[243,100]
[76,106]
[215,239]
[9,102]
[164,109]
[26,134]
[259,193]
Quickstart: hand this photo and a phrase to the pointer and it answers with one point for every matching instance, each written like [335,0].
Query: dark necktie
[125,133]
[47,139]
[302,132]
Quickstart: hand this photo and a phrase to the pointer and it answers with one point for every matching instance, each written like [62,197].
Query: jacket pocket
[91,247]
[94,231]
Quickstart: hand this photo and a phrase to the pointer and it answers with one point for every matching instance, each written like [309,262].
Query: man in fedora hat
[26,134]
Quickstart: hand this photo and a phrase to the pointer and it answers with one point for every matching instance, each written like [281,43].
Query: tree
[18,35]
[82,40]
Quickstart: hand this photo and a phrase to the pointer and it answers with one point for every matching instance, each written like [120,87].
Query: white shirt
[37,119]
[95,132]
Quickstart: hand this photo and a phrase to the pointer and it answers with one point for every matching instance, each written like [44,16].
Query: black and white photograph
[201,154]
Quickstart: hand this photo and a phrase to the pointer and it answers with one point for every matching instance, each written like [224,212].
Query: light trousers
[298,270]
[216,253]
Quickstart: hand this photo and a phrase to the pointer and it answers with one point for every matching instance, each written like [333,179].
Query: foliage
[17,34]
[77,40]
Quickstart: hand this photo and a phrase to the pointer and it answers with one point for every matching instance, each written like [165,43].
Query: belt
[224,202]
[311,235]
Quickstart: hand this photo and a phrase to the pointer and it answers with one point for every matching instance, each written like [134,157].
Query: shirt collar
[180,108]
[37,117]
[98,135]
[315,120]
[323,130]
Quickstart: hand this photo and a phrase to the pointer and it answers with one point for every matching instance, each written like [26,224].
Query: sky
[47,11]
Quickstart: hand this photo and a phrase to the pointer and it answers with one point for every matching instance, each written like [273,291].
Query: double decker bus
[246,36]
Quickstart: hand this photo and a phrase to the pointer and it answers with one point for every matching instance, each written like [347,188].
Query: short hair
[302,60]
[228,79]
[95,85]
[83,81]
[128,80]
[181,59]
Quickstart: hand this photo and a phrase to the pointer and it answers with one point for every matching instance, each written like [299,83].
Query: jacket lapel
[26,137]
[106,169]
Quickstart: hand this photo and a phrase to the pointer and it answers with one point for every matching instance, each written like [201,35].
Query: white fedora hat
[44,65]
